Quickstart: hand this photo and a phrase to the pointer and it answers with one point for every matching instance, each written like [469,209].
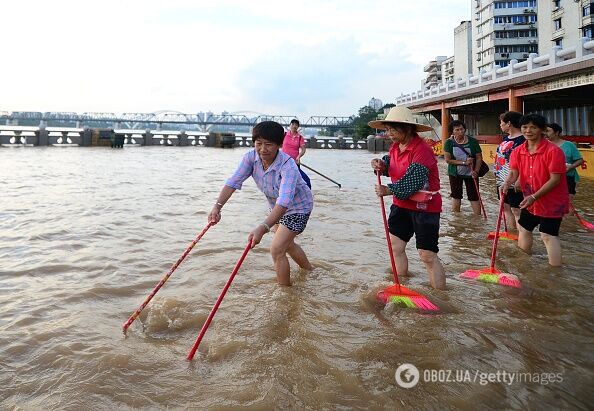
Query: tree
[361,129]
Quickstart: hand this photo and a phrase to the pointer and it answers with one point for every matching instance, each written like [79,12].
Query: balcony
[558,33]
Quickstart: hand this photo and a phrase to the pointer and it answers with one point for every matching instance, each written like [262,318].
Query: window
[589,31]
[559,42]
[588,10]
[557,24]
[556,3]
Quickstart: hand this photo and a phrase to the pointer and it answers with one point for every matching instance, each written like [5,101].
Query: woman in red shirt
[412,166]
[537,169]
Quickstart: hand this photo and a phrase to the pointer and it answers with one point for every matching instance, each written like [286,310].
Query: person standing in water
[460,152]
[294,145]
[537,168]
[290,200]
[573,158]
[510,125]
[412,166]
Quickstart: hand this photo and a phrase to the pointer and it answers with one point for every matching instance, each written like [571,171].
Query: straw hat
[399,114]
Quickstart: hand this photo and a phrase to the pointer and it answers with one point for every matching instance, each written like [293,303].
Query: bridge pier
[87,137]
[42,137]
[148,138]
[182,139]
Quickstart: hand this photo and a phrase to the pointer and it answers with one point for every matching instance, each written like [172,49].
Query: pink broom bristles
[493,277]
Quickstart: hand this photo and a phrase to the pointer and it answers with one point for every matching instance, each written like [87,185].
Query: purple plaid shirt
[282,183]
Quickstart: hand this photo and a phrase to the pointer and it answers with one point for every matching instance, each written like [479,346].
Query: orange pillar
[515,103]
[445,124]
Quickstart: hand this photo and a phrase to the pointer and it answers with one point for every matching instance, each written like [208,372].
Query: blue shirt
[282,183]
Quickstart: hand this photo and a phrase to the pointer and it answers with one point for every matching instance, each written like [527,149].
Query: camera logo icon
[407,375]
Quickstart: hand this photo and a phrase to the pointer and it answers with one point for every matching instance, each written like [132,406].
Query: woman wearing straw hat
[416,207]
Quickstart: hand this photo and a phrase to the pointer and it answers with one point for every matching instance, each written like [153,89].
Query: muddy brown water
[85,235]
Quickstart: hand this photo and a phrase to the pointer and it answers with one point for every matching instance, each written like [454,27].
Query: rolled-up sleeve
[286,192]
[243,172]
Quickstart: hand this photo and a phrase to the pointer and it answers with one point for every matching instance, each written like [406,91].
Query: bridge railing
[558,57]
[136,120]
[19,136]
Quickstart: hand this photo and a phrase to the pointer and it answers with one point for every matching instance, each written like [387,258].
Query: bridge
[202,121]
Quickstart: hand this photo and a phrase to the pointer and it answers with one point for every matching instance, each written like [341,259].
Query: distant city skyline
[303,59]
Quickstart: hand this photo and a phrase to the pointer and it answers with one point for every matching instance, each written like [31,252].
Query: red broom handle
[496,240]
[164,279]
[379,181]
[219,300]
[478,192]
[479,196]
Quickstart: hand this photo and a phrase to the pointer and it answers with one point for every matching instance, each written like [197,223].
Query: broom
[397,293]
[491,274]
[581,220]
[505,235]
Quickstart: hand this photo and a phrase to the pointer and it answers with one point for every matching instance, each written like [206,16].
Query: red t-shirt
[535,170]
[291,144]
[417,151]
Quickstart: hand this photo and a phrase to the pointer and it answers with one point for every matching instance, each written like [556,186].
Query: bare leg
[525,240]
[434,269]
[401,260]
[476,207]
[298,255]
[456,205]
[553,246]
[510,218]
[283,237]
[516,216]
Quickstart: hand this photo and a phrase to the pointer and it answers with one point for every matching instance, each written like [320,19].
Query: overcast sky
[298,58]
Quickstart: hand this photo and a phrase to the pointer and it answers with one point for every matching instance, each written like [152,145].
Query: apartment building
[563,23]
[433,70]
[463,50]
[503,31]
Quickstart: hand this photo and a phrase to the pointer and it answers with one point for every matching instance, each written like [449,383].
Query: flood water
[86,233]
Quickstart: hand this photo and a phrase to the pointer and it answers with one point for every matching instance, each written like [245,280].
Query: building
[447,70]
[463,50]
[433,70]
[503,31]
[375,103]
[563,23]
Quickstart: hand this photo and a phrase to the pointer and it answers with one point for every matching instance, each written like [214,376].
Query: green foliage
[361,129]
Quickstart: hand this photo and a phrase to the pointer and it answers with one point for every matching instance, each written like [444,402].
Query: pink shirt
[291,144]
[417,151]
[535,170]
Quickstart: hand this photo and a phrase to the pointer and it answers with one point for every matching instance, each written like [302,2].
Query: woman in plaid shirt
[289,198]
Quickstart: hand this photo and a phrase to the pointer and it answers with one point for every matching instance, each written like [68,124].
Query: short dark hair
[456,123]
[269,130]
[294,121]
[536,119]
[512,117]
[555,127]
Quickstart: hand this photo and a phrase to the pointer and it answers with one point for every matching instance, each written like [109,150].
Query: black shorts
[547,225]
[570,184]
[512,198]
[456,187]
[404,223]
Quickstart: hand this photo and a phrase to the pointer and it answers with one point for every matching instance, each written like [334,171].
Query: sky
[298,58]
